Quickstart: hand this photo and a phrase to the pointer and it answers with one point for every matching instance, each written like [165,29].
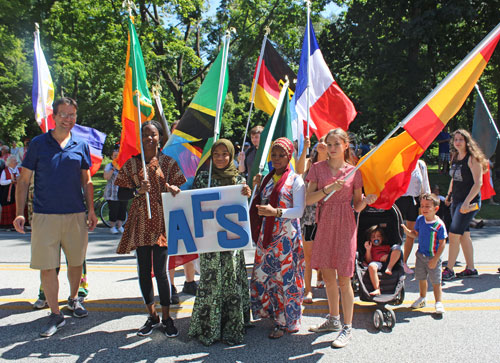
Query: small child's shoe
[439,308]
[419,303]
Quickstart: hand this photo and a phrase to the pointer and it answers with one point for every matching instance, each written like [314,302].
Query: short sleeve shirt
[58,186]
[429,235]
[444,147]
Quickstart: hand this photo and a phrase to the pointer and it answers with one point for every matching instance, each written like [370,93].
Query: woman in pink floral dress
[277,284]
[334,246]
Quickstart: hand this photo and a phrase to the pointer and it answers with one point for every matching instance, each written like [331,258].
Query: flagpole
[424,102]
[222,80]
[487,110]
[272,127]
[308,90]
[139,118]
[40,85]
[254,87]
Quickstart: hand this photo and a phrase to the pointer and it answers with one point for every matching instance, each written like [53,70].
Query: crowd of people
[295,229]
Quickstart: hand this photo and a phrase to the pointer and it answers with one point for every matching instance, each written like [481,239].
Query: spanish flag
[271,78]
[135,83]
[388,170]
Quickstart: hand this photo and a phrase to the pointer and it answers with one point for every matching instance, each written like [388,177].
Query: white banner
[207,220]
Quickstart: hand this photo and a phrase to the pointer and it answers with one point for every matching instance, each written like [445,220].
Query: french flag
[329,106]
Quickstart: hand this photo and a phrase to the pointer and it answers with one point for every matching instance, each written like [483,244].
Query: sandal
[308,299]
[277,332]
[320,284]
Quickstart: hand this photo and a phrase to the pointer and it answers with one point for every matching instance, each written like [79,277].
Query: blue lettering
[198,214]
[228,225]
[178,228]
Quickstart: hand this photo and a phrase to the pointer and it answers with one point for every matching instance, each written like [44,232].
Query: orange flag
[388,170]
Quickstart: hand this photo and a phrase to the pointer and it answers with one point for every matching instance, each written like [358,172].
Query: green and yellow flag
[135,83]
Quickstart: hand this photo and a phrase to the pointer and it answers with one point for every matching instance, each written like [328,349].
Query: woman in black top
[466,172]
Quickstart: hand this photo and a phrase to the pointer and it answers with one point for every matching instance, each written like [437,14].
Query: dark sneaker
[448,274]
[467,273]
[75,305]
[147,328]
[169,328]
[174,299]
[190,288]
[55,322]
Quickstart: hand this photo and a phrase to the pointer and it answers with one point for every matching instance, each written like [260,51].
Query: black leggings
[158,257]
[117,210]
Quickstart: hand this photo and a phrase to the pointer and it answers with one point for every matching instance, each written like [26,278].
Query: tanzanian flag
[195,130]
[271,79]
[135,82]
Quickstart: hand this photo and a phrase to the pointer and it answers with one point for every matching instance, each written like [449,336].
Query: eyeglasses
[67,115]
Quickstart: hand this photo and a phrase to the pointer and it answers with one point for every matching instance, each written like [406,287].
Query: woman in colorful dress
[334,245]
[147,236]
[277,284]
[467,166]
[222,305]
[8,179]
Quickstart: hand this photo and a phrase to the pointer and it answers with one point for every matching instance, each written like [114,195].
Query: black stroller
[391,286]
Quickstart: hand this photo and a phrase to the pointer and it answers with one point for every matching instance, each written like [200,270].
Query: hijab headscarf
[255,219]
[228,174]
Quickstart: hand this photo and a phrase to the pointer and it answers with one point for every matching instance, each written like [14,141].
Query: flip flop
[277,332]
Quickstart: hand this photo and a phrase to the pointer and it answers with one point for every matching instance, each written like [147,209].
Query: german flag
[271,78]
[387,171]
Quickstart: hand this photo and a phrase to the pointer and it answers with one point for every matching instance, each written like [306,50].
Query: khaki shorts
[50,232]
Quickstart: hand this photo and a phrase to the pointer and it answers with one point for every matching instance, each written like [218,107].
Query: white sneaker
[419,303]
[120,229]
[343,338]
[114,230]
[40,304]
[408,270]
[439,308]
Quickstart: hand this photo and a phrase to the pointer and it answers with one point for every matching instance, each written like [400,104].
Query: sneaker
[149,325]
[408,270]
[439,308]
[330,324]
[343,338]
[169,328]
[120,229]
[467,273]
[190,288]
[174,299]
[40,304]
[448,274]
[55,322]
[114,230]
[76,306]
[419,303]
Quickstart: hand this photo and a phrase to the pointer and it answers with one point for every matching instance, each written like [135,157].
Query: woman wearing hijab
[222,305]
[277,284]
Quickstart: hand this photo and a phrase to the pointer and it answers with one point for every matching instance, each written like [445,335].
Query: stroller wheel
[390,318]
[378,319]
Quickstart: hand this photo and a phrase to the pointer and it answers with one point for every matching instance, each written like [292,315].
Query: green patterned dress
[222,306]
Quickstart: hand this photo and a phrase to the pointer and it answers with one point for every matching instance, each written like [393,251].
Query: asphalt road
[468,331]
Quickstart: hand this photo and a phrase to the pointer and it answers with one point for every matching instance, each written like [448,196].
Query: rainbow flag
[193,136]
[387,171]
[135,83]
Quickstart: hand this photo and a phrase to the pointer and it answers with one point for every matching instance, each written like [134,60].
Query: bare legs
[408,242]
[50,284]
[456,241]
[332,292]
[308,272]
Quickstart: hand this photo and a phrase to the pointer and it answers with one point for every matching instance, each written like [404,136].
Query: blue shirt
[58,186]
[429,235]
[444,147]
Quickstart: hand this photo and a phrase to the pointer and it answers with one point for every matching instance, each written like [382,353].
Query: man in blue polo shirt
[61,164]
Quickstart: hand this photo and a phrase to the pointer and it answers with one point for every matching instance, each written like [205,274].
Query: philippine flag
[329,106]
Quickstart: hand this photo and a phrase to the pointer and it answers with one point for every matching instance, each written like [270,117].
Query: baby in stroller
[378,251]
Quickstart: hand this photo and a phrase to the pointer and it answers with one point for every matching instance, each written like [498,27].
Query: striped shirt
[429,235]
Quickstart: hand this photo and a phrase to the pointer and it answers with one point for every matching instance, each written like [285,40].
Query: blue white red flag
[329,106]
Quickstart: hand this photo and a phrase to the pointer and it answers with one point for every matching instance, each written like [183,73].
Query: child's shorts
[422,270]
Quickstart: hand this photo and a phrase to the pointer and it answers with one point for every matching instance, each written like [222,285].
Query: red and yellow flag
[135,83]
[388,170]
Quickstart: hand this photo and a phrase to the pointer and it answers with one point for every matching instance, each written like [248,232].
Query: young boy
[431,233]
[377,252]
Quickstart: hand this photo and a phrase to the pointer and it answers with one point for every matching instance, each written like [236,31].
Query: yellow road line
[103,302]
[407,309]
